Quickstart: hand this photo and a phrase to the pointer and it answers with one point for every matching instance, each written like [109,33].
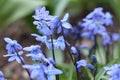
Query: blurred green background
[12,10]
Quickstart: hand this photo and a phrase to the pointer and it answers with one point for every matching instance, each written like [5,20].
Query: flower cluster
[44,68]
[47,24]
[113,72]
[95,24]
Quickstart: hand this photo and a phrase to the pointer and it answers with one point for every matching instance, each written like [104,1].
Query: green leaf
[102,71]
[60,7]
[101,55]
[116,7]
[12,10]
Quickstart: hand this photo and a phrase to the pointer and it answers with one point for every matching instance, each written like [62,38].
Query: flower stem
[53,53]
[74,62]
[23,63]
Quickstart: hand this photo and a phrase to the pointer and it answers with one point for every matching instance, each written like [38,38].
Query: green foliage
[116,7]
[12,10]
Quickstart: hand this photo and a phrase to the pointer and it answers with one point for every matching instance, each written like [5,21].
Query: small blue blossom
[81,63]
[43,28]
[51,71]
[33,49]
[49,43]
[50,61]
[74,50]
[1,76]
[42,18]
[95,21]
[15,57]
[106,39]
[42,14]
[12,45]
[64,23]
[60,43]
[42,71]
[115,36]
[90,66]
[42,39]
[35,52]
[108,19]
[113,72]
[36,71]
[54,23]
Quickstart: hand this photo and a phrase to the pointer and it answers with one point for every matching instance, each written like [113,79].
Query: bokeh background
[16,22]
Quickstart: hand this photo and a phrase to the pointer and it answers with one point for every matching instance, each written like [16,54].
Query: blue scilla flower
[42,72]
[113,72]
[42,39]
[96,15]
[90,66]
[109,38]
[49,61]
[12,45]
[96,21]
[33,49]
[43,28]
[64,23]
[42,14]
[36,57]
[115,36]
[36,71]
[106,39]
[1,76]
[48,43]
[83,63]
[34,52]
[42,18]
[108,19]
[95,28]
[74,50]
[54,23]
[15,57]
[51,71]
[60,43]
